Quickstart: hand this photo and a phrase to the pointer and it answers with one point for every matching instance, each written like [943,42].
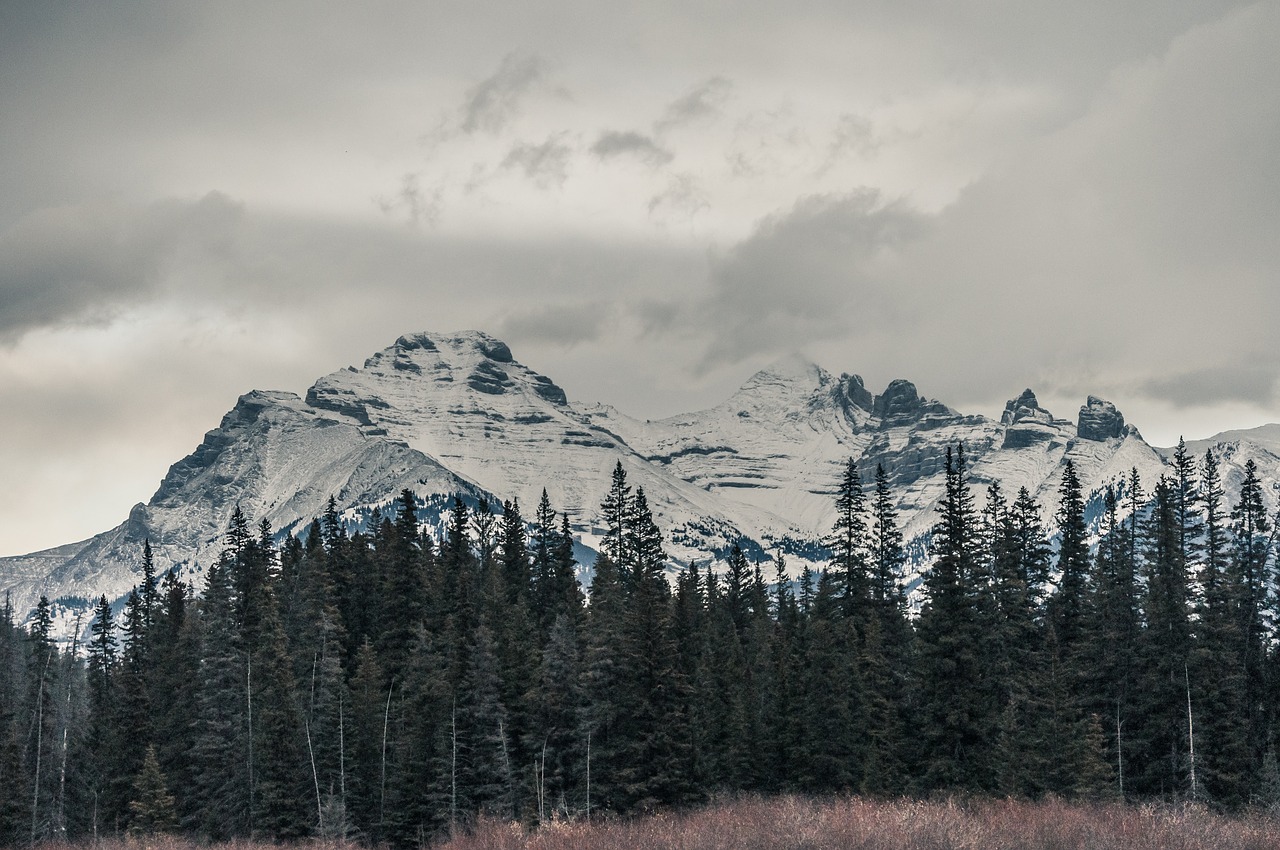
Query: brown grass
[792,823]
[795,823]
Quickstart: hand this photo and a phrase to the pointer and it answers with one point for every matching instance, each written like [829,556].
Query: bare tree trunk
[1191,736]
[342,753]
[248,689]
[61,826]
[506,766]
[1119,752]
[35,800]
[382,792]
[311,753]
[453,770]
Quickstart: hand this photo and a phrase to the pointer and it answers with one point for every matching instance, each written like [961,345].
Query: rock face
[855,393]
[1099,420]
[1027,423]
[901,404]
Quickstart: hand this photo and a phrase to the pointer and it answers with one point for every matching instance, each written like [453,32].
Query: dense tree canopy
[391,685]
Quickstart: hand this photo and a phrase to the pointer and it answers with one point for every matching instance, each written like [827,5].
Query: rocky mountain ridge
[445,414]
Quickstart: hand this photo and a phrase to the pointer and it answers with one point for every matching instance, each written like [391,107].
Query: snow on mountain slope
[456,413]
[464,400]
[275,457]
[1233,449]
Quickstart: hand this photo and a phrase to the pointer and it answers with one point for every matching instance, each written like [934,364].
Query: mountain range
[457,414]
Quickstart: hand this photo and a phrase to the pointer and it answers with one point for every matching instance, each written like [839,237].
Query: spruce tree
[848,544]
[221,752]
[1160,736]
[152,808]
[956,706]
[1067,606]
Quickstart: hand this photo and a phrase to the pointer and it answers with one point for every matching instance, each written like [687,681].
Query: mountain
[456,414]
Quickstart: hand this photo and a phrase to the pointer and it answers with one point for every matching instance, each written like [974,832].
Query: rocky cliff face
[445,414]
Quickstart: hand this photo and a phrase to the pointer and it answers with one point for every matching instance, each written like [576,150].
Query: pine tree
[1163,654]
[552,736]
[614,510]
[848,545]
[1115,631]
[1067,606]
[279,767]
[831,702]
[221,748]
[369,709]
[152,809]
[41,709]
[404,602]
[653,771]
[957,712]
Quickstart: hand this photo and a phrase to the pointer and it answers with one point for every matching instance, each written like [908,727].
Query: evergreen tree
[1067,607]
[152,809]
[848,545]
[41,711]
[1163,654]
[1115,631]
[956,708]
[552,734]
[369,714]
[1218,671]
[221,752]
[279,767]
[102,737]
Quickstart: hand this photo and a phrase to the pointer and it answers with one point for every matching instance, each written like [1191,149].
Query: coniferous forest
[391,686]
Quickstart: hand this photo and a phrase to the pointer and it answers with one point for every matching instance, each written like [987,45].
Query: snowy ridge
[446,414]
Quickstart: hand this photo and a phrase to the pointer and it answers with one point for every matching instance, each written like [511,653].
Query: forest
[392,686]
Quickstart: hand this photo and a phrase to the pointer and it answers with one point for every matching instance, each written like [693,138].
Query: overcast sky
[647,201]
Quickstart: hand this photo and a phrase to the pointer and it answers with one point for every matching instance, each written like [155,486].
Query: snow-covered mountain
[445,414]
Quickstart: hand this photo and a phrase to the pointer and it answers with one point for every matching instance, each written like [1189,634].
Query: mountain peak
[1099,420]
[793,367]
[459,341]
[901,404]
[1023,408]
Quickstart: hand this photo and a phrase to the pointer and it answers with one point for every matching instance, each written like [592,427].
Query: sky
[648,202]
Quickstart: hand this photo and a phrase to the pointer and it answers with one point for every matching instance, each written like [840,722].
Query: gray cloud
[561,324]
[546,164]
[703,101]
[492,103]
[629,143]
[682,197]
[1253,382]
[418,205]
[79,264]
[854,136]
[816,271]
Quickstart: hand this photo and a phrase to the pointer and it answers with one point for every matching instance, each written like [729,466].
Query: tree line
[393,686]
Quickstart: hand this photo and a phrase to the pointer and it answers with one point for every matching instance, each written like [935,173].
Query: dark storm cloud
[613,144]
[546,164]
[705,100]
[1252,382]
[78,264]
[814,272]
[492,103]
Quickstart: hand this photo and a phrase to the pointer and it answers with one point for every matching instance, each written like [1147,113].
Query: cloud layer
[648,203]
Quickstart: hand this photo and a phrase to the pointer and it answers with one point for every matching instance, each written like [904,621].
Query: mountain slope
[446,414]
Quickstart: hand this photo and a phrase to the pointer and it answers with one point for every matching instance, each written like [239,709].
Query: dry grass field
[795,823]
